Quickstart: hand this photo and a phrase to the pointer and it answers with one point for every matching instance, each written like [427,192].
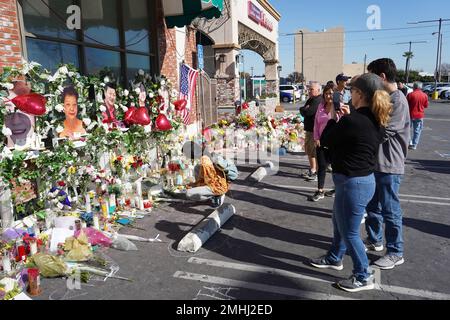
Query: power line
[360,31]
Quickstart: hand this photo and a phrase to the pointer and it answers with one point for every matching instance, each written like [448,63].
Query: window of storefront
[115,35]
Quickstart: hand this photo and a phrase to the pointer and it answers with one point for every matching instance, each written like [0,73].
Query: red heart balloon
[33,104]
[129,115]
[207,134]
[162,123]
[180,105]
[141,117]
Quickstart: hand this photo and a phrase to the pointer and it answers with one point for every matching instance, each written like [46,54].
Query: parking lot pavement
[262,252]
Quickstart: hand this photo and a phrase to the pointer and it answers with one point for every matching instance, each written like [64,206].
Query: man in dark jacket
[309,114]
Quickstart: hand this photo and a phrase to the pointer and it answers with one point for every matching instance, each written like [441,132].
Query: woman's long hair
[382,107]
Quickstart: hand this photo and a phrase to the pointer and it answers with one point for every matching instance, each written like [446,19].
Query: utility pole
[365,63]
[295,51]
[440,59]
[408,58]
[438,49]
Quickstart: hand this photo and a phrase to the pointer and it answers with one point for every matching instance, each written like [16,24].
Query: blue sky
[352,15]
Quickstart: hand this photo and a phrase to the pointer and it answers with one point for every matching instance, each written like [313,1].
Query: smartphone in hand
[337,101]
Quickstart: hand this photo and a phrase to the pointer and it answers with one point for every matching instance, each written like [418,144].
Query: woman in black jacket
[354,142]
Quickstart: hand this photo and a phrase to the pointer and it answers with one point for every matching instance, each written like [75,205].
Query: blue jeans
[385,207]
[351,199]
[417,127]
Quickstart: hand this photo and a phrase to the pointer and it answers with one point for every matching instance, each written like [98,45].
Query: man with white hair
[309,114]
[418,102]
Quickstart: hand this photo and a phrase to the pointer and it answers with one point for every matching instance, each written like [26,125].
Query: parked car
[286,96]
[292,90]
[447,95]
[442,91]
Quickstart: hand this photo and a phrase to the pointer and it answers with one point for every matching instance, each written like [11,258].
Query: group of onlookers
[363,129]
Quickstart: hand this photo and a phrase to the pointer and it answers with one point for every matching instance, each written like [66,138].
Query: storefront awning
[180,13]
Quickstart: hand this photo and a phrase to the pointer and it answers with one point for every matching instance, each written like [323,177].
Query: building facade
[245,24]
[118,36]
[354,69]
[322,54]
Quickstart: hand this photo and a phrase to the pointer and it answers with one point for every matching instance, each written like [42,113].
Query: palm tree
[408,55]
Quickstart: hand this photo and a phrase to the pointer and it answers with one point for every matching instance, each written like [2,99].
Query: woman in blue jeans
[354,142]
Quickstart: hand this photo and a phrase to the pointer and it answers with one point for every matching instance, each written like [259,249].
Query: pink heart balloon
[33,104]
[162,123]
[141,117]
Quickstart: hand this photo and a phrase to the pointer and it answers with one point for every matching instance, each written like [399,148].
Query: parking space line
[401,195]
[254,268]
[257,286]
[284,273]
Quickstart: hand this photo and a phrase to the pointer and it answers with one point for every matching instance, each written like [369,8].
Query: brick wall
[10,45]
[167,48]
[190,57]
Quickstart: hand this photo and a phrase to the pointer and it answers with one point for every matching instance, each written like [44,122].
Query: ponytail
[382,107]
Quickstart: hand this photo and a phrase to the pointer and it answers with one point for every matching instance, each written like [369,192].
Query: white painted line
[415,293]
[433,119]
[426,202]
[284,273]
[401,195]
[254,268]
[257,286]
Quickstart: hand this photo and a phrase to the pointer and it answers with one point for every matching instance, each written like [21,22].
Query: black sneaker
[353,285]
[312,177]
[323,263]
[319,195]
[306,174]
[330,194]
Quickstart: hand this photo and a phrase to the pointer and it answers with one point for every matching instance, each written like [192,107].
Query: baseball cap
[342,77]
[368,83]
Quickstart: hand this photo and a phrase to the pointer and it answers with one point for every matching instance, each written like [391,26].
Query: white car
[447,95]
[292,90]
[443,91]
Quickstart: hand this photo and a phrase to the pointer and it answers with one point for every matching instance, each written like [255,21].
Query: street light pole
[438,47]
[295,51]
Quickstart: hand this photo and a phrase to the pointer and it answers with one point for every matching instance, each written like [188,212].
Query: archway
[251,40]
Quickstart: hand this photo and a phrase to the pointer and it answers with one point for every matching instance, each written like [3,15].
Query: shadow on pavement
[433,228]
[281,205]
[436,166]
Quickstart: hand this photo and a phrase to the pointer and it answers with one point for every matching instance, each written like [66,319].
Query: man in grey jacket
[385,206]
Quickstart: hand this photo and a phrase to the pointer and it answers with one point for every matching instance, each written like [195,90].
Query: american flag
[188,82]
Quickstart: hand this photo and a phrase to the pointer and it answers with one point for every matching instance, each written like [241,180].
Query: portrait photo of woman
[73,127]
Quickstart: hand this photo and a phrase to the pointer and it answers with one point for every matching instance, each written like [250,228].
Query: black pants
[323,162]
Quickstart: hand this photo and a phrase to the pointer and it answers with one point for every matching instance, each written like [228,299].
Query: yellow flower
[72,170]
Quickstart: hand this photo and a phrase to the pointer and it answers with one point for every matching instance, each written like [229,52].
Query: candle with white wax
[6,263]
[87,199]
[139,188]
[96,222]
[33,247]
[112,203]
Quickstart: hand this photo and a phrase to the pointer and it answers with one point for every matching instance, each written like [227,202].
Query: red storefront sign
[258,16]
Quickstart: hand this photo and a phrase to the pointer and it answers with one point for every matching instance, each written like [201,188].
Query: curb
[195,239]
